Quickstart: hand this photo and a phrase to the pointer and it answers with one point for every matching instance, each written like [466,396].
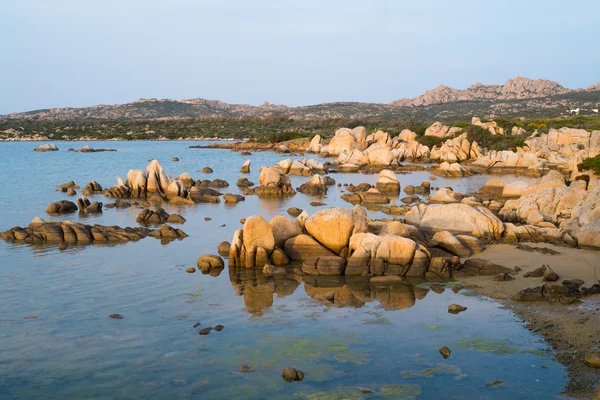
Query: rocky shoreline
[572,330]
[96,139]
[488,238]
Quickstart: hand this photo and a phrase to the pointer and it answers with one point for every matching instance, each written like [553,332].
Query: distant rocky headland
[517,97]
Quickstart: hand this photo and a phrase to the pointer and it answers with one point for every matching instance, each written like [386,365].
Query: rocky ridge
[484,100]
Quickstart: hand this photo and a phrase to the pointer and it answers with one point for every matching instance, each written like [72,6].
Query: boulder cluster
[73,233]
[301,167]
[159,216]
[258,289]
[557,211]
[336,242]
[272,183]
[354,149]
[154,184]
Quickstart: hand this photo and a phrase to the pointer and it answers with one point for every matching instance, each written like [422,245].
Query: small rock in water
[445,352]
[190,270]
[365,390]
[197,324]
[456,308]
[317,204]
[294,211]
[206,170]
[224,248]
[222,226]
[218,328]
[207,218]
[245,368]
[242,221]
[496,383]
[175,159]
[205,331]
[292,374]
[116,316]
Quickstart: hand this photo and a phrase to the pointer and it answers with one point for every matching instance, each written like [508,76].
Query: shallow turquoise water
[56,340]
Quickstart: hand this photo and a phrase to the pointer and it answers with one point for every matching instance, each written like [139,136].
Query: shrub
[590,164]
[279,137]
[430,141]
[494,142]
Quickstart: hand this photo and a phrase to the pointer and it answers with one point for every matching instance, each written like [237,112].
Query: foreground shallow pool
[349,337]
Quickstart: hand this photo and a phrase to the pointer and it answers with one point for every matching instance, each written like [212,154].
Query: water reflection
[258,290]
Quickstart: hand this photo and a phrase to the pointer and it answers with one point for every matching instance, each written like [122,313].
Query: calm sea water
[57,341]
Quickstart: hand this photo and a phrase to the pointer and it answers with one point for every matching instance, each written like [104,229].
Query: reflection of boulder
[258,289]
[395,296]
[259,297]
[340,296]
[355,292]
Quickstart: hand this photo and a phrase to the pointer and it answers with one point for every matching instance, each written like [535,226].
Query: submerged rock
[292,374]
[456,308]
[244,368]
[445,352]
[224,248]
[210,262]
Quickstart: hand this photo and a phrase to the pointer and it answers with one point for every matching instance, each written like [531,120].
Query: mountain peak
[516,88]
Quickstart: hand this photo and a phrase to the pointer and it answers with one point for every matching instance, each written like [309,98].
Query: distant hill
[517,97]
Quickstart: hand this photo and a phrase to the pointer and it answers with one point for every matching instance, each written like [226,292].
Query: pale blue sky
[58,53]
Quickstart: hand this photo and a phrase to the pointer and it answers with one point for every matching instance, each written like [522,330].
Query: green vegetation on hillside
[590,164]
[277,128]
[494,142]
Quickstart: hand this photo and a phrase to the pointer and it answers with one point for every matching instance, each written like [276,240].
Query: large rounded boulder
[283,229]
[457,218]
[332,228]
[258,232]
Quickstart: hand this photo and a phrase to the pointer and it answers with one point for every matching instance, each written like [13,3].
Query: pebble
[204,331]
[116,316]
[197,324]
[245,368]
[292,374]
[456,308]
[445,352]
[190,270]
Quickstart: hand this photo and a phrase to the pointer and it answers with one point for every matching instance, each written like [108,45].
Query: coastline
[194,139]
[571,330]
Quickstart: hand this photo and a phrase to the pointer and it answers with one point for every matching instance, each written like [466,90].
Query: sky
[76,53]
